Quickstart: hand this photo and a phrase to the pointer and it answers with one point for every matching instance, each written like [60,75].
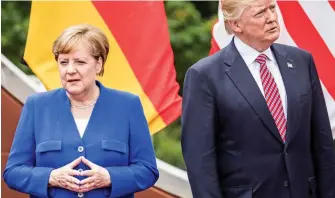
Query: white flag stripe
[220,35]
[322,17]
[284,35]
[223,39]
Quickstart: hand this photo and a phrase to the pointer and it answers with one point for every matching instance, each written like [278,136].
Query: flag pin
[289,65]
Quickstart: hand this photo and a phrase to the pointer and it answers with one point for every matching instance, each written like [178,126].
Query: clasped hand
[97,177]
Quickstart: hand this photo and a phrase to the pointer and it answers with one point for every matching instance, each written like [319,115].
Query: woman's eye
[63,62]
[81,62]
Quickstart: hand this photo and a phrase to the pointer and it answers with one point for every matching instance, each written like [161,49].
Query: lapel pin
[289,65]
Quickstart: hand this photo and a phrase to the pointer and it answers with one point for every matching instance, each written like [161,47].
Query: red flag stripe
[149,76]
[303,32]
[332,4]
[214,46]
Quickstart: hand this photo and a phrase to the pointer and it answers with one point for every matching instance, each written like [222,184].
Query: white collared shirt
[81,125]
[249,56]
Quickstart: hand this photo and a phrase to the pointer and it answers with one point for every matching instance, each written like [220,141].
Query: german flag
[140,60]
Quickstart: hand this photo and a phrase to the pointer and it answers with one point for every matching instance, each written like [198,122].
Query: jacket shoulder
[207,64]
[204,64]
[121,96]
[47,96]
[292,51]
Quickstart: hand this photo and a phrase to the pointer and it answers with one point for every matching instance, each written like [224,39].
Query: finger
[88,186]
[73,172]
[71,183]
[88,173]
[88,163]
[86,181]
[75,162]
[73,180]
[85,188]
[72,186]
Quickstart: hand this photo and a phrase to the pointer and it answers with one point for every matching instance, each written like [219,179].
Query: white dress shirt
[81,125]
[249,56]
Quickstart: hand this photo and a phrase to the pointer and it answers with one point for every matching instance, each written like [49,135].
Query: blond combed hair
[232,10]
[83,33]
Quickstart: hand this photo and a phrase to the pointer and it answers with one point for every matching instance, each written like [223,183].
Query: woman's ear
[99,65]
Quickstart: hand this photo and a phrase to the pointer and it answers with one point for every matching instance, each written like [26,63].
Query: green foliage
[14,26]
[190,25]
[190,35]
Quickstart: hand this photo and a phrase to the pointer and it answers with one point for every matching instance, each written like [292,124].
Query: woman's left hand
[97,177]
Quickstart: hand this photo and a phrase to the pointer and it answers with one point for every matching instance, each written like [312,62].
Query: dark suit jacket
[231,145]
[116,138]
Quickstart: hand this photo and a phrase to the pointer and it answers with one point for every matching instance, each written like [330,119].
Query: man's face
[259,22]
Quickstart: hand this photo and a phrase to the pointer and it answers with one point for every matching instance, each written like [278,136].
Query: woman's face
[78,69]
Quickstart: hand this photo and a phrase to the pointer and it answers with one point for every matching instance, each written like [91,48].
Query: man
[254,122]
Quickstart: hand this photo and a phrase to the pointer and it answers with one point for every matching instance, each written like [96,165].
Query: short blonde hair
[88,34]
[232,10]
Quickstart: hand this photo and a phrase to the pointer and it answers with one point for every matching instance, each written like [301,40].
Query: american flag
[307,24]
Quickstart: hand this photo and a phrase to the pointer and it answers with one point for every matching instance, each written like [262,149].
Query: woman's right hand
[63,176]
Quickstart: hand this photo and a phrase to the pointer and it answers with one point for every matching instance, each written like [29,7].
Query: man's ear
[234,26]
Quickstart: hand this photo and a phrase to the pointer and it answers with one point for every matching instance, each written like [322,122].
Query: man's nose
[271,16]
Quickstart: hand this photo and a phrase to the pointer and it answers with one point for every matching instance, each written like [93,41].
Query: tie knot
[261,59]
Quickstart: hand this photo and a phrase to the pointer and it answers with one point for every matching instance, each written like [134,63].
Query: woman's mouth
[72,80]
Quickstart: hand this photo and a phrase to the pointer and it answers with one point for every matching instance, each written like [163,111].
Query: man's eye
[260,13]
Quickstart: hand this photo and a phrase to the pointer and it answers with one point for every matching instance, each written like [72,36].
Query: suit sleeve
[142,172]
[20,173]
[322,141]
[199,136]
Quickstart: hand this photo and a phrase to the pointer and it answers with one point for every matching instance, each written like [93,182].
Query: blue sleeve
[198,141]
[322,141]
[20,173]
[142,172]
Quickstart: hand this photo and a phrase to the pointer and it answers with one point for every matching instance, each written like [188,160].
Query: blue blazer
[231,145]
[116,138]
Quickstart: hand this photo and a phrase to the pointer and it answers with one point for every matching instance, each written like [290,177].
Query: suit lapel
[246,84]
[289,76]
[65,122]
[94,128]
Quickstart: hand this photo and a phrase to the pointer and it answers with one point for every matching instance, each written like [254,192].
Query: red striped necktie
[272,96]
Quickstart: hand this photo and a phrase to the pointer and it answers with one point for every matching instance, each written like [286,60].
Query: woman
[83,140]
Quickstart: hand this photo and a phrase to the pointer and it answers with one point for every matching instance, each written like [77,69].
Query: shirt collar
[249,54]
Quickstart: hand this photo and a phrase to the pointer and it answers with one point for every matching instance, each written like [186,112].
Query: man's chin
[272,36]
